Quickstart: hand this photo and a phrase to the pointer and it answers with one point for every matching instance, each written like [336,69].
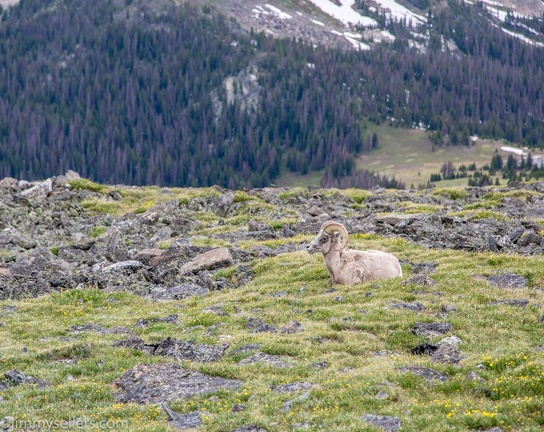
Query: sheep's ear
[335,236]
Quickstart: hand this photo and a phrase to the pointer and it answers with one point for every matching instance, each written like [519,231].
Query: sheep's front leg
[358,276]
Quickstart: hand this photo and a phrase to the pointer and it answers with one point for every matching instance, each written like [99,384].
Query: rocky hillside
[61,233]
[161,309]
[360,24]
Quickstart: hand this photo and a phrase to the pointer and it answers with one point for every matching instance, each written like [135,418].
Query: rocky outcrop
[50,241]
[147,384]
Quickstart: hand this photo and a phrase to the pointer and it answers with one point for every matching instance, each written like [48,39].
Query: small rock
[218,309]
[292,327]
[287,404]
[507,280]
[414,306]
[130,266]
[92,327]
[294,387]
[424,268]
[72,175]
[15,378]
[250,428]
[149,384]
[258,326]
[215,258]
[8,310]
[431,329]
[387,423]
[427,373]
[245,348]
[382,395]
[516,302]
[473,376]
[188,350]
[448,354]
[265,358]
[424,349]
[450,340]
[320,365]
[182,421]
[146,255]
[40,190]
[238,408]
[447,308]
[172,319]
[493,247]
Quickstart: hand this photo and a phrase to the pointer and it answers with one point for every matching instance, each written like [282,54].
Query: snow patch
[357,44]
[318,23]
[352,35]
[514,150]
[400,12]
[278,12]
[345,12]
[386,35]
[522,37]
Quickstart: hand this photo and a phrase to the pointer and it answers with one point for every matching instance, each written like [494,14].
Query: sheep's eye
[323,239]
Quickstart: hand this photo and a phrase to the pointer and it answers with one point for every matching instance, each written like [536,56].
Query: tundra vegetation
[352,341]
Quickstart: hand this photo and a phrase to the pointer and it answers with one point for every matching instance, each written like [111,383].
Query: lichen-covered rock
[150,384]
[432,329]
[15,378]
[387,423]
[294,387]
[427,373]
[265,358]
[413,306]
[507,280]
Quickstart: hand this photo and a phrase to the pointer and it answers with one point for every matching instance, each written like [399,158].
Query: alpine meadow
[272,215]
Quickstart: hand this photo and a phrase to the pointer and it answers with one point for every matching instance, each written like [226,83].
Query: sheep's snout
[312,248]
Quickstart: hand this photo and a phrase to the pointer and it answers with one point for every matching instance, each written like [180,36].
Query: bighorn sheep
[349,267]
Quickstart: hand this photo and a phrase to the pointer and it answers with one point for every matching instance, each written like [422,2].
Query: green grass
[97,231]
[410,156]
[137,200]
[313,178]
[501,338]
[345,333]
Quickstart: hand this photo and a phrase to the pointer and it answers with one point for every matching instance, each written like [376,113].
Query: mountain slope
[152,93]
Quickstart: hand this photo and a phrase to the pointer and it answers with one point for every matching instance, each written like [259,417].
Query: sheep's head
[332,236]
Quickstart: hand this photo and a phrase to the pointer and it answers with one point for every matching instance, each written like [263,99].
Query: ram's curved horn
[332,227]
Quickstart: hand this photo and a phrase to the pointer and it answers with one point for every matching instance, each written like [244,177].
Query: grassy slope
[408,155]
[502,338]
